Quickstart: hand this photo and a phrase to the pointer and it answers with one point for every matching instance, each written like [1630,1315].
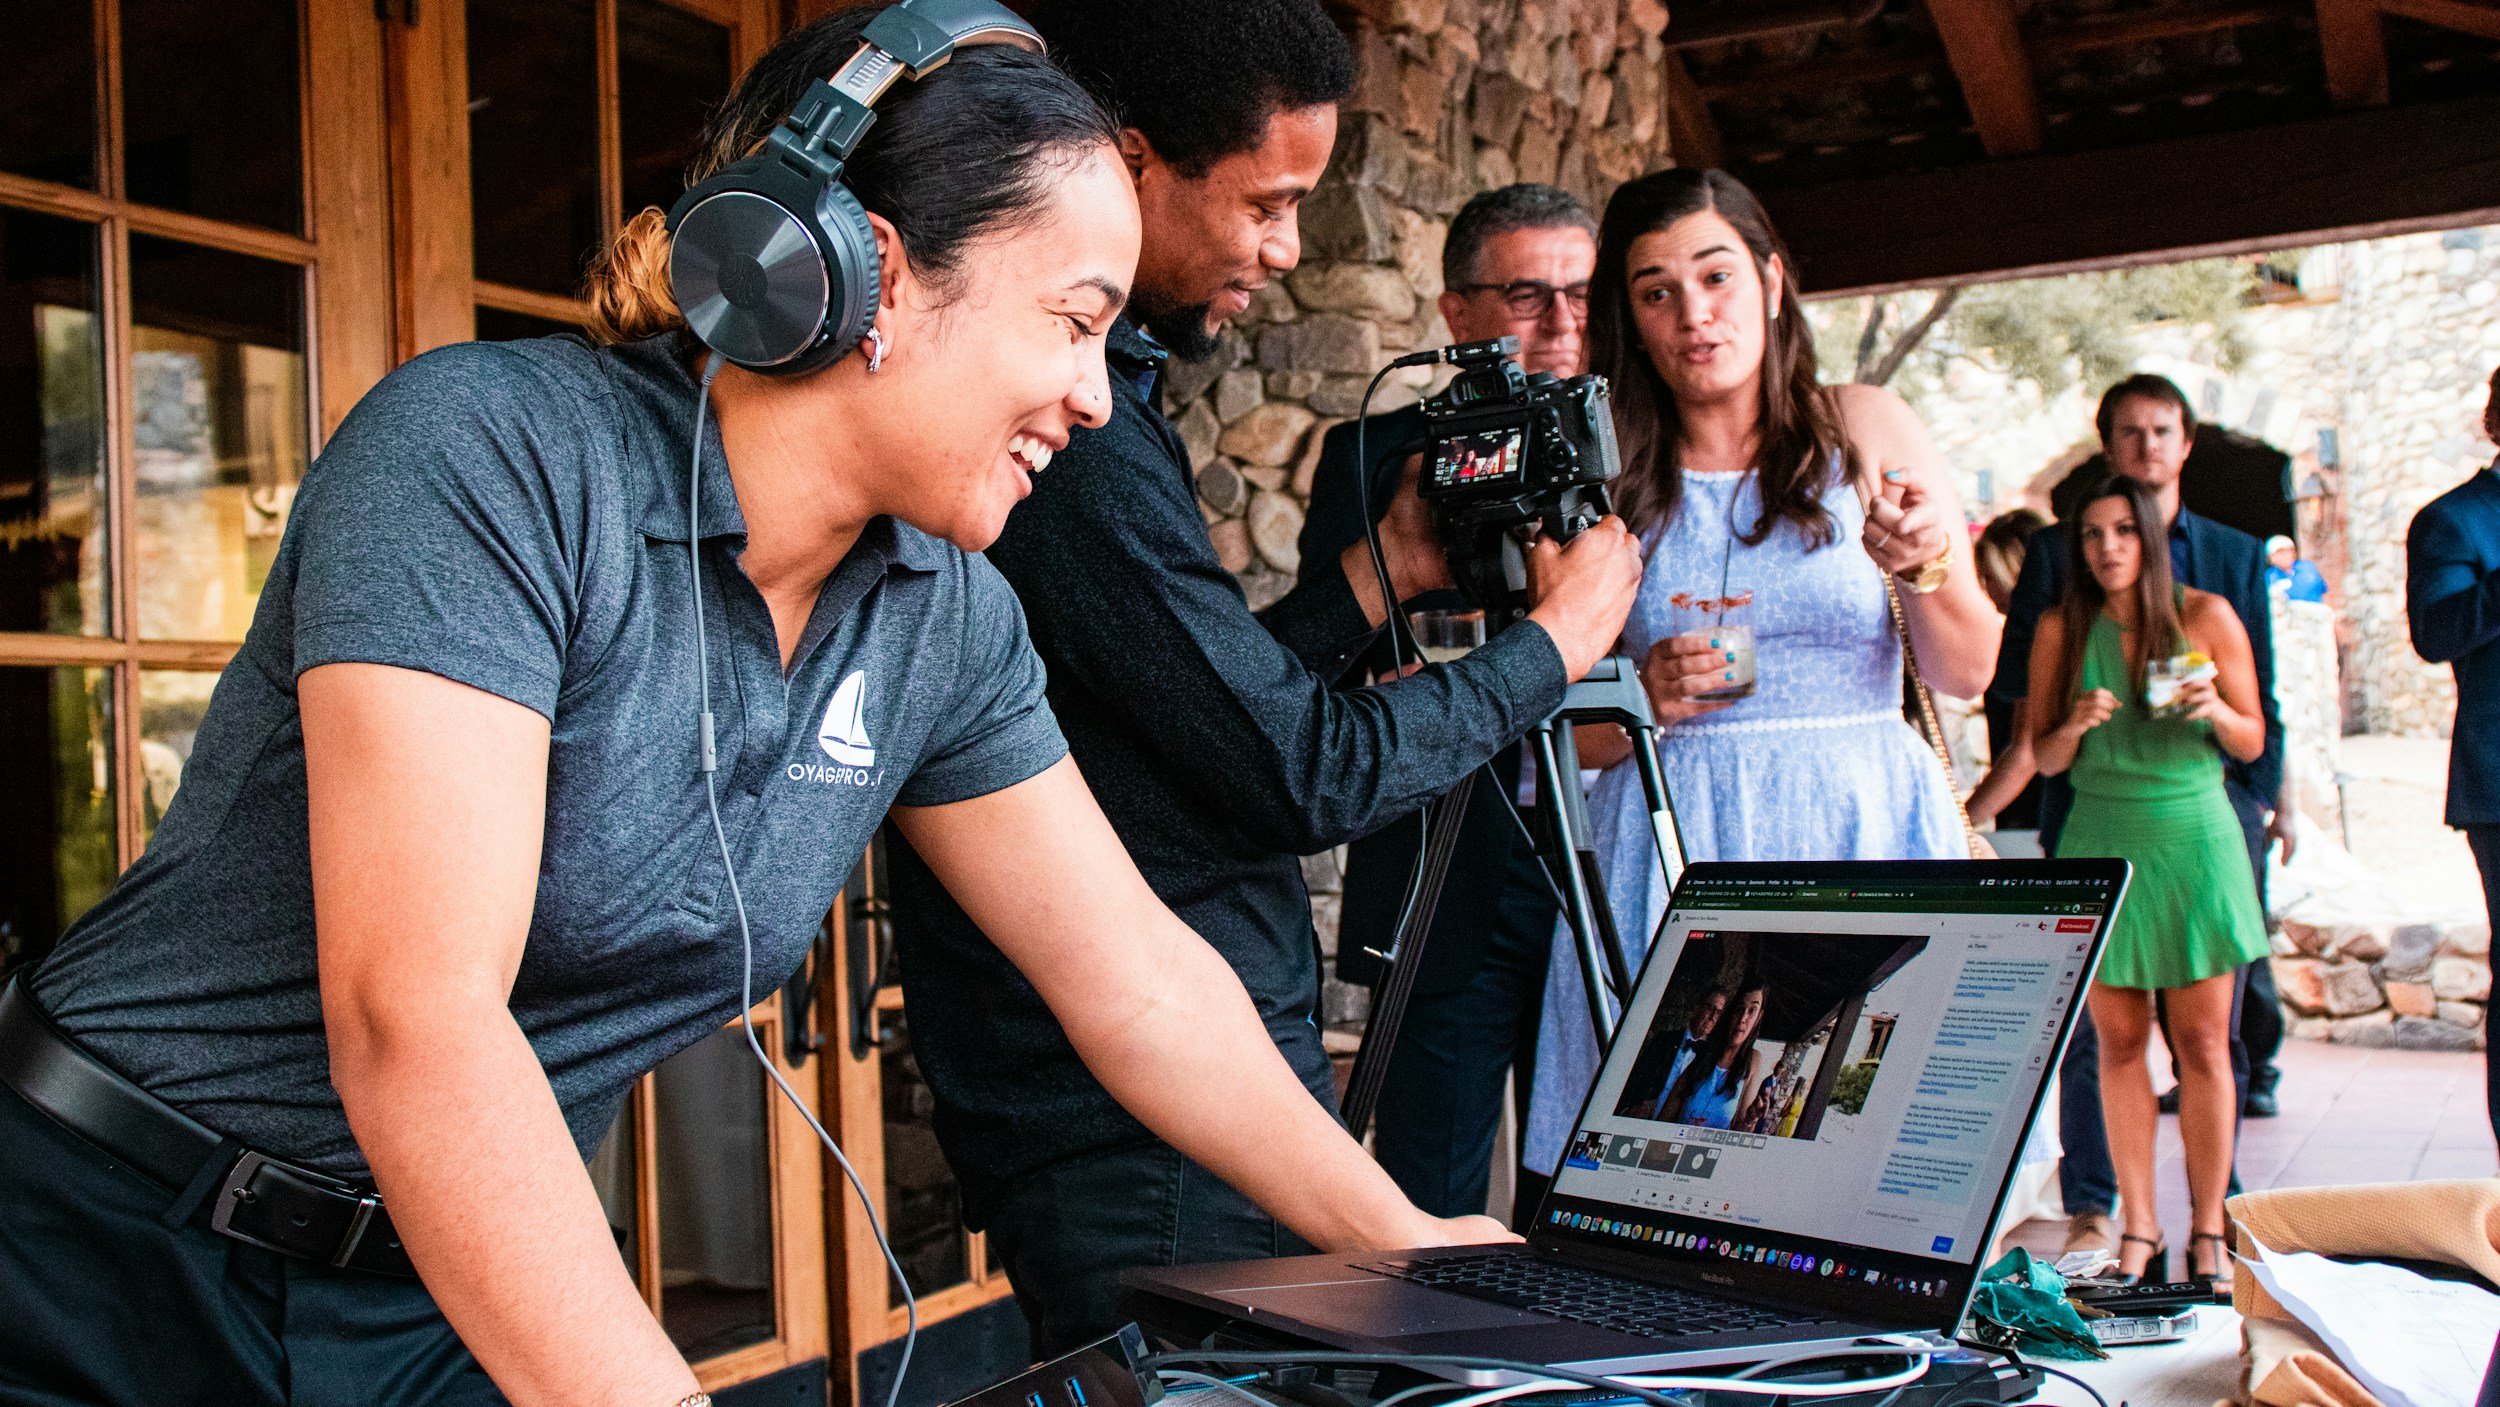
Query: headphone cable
[746,937]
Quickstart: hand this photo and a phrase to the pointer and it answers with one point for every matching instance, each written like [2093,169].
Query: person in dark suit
[2147,427]
[2452,598]
[1516,263]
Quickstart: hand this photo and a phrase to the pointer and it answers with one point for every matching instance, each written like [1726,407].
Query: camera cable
[746,937]
[1650,1389]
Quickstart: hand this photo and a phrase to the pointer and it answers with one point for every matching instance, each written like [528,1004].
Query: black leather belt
[258,1199]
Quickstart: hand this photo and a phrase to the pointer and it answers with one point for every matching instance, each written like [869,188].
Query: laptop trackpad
[1380,1308]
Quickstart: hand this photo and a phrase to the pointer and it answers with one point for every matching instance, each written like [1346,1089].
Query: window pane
[533,141]
[218,394]
[716,1197]
[501,325]
[47,93]
[211,115]
[171,703]
[615,1170]
[56,830]
[671,67]
[923,1207]
[52,492]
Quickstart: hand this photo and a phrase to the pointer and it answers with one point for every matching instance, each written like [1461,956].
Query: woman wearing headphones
[443,878]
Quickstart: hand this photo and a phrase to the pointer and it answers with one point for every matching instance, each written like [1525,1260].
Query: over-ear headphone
[773,261]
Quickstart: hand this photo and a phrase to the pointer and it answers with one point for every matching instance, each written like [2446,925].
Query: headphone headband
[773,260]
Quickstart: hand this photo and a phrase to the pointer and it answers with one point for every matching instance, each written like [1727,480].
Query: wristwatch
[1928,578]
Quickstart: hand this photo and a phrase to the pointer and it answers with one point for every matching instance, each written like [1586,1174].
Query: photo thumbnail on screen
[1767,1033]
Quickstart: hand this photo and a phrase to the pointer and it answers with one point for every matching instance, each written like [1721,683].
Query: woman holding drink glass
[2145,687]
[1776,514]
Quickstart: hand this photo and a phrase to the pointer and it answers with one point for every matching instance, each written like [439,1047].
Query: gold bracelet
[1930,577]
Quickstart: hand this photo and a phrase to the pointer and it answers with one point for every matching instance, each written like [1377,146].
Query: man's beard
[1182,331]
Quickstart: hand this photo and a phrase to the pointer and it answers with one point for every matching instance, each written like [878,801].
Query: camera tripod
[1611,693]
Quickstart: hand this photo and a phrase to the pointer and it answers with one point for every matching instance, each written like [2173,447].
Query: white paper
[2412,1341]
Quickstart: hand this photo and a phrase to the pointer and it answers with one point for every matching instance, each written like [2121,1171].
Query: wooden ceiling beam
[1875,65]
[2354,46]
[1985,47]
[2182,22]
[1692,134]
[2481,21]
[2351,175]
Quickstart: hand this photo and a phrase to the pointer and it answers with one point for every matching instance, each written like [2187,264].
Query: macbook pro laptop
[1800,1137]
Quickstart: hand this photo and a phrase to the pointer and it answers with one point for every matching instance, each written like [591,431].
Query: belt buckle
[237,1189]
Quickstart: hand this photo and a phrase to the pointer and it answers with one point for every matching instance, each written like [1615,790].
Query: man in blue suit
[2452,597]
[2147,428]
[1516,264]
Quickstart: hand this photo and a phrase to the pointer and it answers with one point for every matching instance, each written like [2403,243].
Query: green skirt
[2191,907]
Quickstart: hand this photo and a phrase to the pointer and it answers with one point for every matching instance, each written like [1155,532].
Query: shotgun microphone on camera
[1462,352]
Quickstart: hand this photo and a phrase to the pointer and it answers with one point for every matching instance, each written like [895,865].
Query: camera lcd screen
[1484,457]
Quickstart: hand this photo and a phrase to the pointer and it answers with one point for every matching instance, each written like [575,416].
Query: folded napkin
[2453,1223]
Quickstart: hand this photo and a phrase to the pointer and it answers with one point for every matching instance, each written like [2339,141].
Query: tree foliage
[2053,332]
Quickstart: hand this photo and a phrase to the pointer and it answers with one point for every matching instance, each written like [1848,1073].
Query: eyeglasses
[1532,298]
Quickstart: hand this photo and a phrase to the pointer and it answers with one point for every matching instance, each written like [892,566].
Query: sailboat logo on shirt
[844,733]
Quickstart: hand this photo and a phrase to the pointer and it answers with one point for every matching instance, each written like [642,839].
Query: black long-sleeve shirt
[1219,748]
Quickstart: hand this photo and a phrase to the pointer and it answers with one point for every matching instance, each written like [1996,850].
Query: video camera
[1512,452]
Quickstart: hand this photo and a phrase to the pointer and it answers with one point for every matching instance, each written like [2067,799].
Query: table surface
[2193,1372]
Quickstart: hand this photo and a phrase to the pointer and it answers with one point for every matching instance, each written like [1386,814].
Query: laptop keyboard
[1587,1297]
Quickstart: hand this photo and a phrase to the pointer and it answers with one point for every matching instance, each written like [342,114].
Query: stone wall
[2421,331]
[1453,97]
[2417,985]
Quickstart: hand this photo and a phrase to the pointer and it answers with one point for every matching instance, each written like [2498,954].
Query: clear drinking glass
[1447,635]
[1724,623]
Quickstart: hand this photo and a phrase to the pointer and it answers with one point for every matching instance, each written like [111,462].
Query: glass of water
[1447,635]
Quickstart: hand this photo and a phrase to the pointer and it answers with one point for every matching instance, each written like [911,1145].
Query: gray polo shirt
[512,516]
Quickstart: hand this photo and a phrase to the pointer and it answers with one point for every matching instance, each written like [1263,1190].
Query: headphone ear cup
[853,272]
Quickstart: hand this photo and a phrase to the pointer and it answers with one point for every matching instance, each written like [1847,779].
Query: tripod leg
[1395,986]
[1668,837]
[1559,788]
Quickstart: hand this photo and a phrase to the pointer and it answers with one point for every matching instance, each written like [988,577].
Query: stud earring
[876,349]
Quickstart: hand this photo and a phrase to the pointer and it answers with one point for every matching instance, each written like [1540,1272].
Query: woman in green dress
[2148,789]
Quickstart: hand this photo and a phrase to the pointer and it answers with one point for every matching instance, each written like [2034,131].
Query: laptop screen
[1827,1073]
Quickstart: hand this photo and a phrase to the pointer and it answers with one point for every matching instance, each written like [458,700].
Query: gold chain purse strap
[1978,844]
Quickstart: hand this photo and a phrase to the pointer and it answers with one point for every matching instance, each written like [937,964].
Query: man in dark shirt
[2146,428]
[1212,736]
[2452,598]
[1516,264]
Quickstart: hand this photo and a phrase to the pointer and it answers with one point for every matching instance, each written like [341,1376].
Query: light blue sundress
[1817,764]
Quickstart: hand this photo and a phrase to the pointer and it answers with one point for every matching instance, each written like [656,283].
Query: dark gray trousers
[111,1293]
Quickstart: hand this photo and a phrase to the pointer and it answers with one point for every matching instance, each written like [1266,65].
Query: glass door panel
[53,494]
[47,103]
[212,115]
[712,1136]
[534,141]
[672,68]
[171,704]
[57,852]
[219,405]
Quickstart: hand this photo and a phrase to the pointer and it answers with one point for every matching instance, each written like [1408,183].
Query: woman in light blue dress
[1744,475]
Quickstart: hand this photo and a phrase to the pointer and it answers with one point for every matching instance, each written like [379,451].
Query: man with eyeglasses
[1516,264]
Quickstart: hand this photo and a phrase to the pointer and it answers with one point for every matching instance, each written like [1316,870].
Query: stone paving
[2350,1115]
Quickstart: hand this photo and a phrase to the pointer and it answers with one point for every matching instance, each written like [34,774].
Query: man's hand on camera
[1580,591]
[1410,543]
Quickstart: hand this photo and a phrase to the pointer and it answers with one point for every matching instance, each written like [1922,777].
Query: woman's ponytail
[628,288]
[973,148]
